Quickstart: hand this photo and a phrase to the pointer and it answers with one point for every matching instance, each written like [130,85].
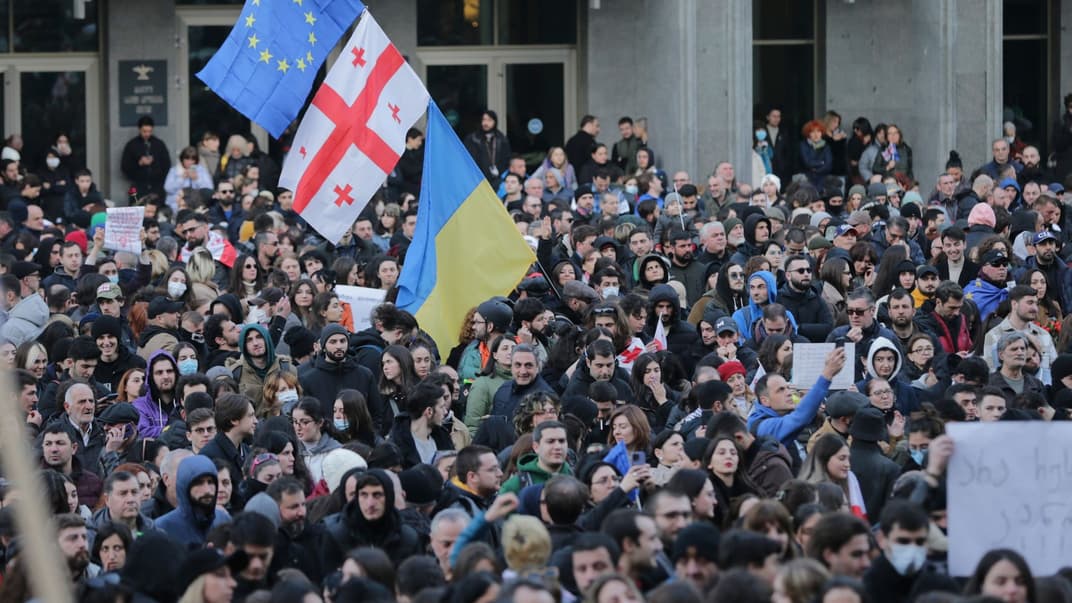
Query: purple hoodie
[152,414]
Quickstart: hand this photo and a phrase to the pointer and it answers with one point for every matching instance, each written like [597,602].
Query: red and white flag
[354,131]
[660,335]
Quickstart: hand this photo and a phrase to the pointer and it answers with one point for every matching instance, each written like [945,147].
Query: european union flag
[620,459]
[265,67]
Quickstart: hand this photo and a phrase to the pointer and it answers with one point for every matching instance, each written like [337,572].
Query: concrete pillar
[933,68]
[686,66]
[1065,53]
[153,38]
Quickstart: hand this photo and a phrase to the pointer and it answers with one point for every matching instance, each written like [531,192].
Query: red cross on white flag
[354,131]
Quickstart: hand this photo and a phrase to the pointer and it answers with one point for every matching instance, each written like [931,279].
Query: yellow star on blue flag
[241,75]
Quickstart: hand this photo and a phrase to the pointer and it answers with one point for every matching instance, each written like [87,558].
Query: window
[785,58]
[1029,69]
[48,26]
[496,22]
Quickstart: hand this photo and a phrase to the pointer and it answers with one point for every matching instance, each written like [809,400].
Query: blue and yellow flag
[466,248]
[265,67]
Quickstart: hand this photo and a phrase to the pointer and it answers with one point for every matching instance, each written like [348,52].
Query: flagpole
[550,280]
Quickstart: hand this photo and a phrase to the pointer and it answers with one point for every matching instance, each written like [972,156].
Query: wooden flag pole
[41,557]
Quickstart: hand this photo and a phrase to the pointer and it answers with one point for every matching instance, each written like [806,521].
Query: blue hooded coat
[189,524]
[748,315]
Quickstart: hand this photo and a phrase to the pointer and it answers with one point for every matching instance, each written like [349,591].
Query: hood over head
[269,347]
[190,470]
[769,279]
[750,224]
[663,293]
[882,343]
[150,383]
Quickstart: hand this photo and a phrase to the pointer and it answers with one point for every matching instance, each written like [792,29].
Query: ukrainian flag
[466,248]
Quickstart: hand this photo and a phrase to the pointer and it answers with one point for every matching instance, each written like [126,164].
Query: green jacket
[530,465]
[478,405]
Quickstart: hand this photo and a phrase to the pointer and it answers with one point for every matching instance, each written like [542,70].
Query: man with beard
[297,539]
[492,319]
[158,405]
[901,310]
[163,330]
[681,337]
[926,284]
[189,523]
[258,364]
[334,370]
[73,539]
[757,231]
[803,298]
[1023,312]
[945,321]
[370,519]
[115,359]
[477,479]
[193,227]
[253,534]
[1033,170]
[1058,274]
[684,268]
[862,329]
[223,211]
[419,433]
[221,338]
[988,290]
[1010,377]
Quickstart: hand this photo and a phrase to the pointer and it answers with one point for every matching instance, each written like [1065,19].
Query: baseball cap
[1044,235]
[845,229]
[725,324]
[926,269]
[994,255]
[270,295]
[876,189]
[109,291]
[1057,187]
[162,305]
[859,218]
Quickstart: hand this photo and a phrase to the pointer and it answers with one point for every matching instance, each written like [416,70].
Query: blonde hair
[802,579]
[236,141]
[159,262]
[195,593]
[271,388]
[201,268]
[526,543]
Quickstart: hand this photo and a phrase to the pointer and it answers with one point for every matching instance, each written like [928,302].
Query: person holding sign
[775,416]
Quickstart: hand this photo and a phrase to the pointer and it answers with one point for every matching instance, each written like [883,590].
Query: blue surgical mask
[917,456]
[761,135]
[188,366]
[341,424]
[632,189]
[113,278]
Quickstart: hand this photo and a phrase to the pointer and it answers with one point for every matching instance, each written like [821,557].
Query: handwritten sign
[1010,486]
[808,361]
[122,229]
[362,300]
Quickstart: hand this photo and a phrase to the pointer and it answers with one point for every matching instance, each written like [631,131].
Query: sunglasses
[857,311]
[802,270]
[999,264]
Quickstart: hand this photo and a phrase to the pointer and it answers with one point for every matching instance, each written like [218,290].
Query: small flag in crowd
[466,248]
[266,66]
[354,131]
[660,334]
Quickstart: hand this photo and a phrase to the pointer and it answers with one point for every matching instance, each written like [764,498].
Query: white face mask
[907,558]
[287,395]
[176,289]
[53,162]
[609,292]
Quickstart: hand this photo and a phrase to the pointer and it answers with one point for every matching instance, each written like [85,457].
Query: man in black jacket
[370,519]
[681,337]
[902,572]
[334,370]
[146,160]
[804,299]
[420,434]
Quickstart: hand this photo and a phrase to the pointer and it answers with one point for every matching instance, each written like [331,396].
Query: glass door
[44,98]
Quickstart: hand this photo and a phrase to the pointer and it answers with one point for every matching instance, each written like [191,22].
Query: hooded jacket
[907,401]
[26,320]
[323,380]
[749,247]
[529,464]
[153,416]
[251,379]
[748,315]
[349,529]
[870,334]
[189,524]
[681,338]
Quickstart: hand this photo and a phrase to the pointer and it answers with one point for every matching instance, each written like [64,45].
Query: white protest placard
[362,300]
[122,229]
[1010,486]
[808,361]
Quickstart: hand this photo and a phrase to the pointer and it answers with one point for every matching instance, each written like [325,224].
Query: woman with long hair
[629,424]
[864,259]
[315,435]
[775,357]
[285,446]
[697,484]
[496,371]
[1049,309]
[829,461]
[557,162]
[382,273]
[279,395]
[722,459]
[887,275]
[650,390]
[246,277]
[1003,574]
[423,352]
[326,310]
[895,158]
[302,294]
[397,378]
[352,420]
[730,292]
[770,518]
[836,275]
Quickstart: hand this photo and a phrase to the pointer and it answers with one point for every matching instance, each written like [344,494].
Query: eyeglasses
[922,349]
[882,392]
[302,422]
[607,481]
[802,270]
[858,311]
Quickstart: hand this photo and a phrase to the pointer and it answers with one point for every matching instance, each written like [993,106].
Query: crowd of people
[213,424]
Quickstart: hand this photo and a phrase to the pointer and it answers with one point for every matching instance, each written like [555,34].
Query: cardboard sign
[1010,486]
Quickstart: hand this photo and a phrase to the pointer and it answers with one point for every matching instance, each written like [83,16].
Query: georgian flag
[353,132]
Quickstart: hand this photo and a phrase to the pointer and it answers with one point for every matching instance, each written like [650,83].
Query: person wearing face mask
[762,153]
[902,571]
[55,179]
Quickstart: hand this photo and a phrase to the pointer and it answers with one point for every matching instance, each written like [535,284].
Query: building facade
[948,72]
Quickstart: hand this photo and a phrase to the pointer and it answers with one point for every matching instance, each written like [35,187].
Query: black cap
[270,295]
[204,561]
[162,305]
[701,537]
[994,255]
[581,191]
[22,270]
[845,404]
[911,210]
[106,325]
[119,413]
[868,425]
[422,484]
